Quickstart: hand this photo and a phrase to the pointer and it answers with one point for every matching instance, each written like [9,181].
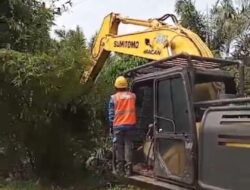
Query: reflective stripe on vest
[124,106]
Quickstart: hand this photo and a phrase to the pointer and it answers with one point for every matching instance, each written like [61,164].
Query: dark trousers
[123,145]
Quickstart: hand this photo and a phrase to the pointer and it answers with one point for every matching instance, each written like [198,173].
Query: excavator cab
[173,96]
[167,151]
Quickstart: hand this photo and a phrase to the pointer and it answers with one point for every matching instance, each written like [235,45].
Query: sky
[88,14]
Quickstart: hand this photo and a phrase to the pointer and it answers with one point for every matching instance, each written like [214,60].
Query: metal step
[155,184]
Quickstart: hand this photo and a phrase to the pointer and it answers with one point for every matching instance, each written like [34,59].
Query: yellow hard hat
[121,82]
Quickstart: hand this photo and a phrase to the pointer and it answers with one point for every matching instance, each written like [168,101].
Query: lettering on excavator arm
[152,52]
[126,44]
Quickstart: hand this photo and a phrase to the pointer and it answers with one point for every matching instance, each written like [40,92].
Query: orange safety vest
[124,108]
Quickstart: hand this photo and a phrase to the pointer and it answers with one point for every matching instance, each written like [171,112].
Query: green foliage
[190,17]
[242,47]
[48,125]
[22,186]
[118,64]
[47,121]
[91,41]
[90,184]
[224,24]
[26,24]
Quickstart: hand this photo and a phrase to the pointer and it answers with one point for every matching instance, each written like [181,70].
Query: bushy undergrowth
[48,126]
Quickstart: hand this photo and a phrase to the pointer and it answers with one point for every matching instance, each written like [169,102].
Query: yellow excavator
[159,40]
[196,128]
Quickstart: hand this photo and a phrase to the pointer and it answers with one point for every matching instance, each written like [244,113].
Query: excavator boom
[159,40]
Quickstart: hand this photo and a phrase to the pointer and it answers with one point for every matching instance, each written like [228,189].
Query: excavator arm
[159,40]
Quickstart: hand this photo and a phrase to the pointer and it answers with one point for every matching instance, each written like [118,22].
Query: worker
[122,118]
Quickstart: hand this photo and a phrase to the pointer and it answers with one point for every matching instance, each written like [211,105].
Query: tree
[48,123]
[190,17]
[27,24]
[224,24]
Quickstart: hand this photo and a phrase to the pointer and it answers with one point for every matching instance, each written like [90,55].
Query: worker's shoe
[128,170]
